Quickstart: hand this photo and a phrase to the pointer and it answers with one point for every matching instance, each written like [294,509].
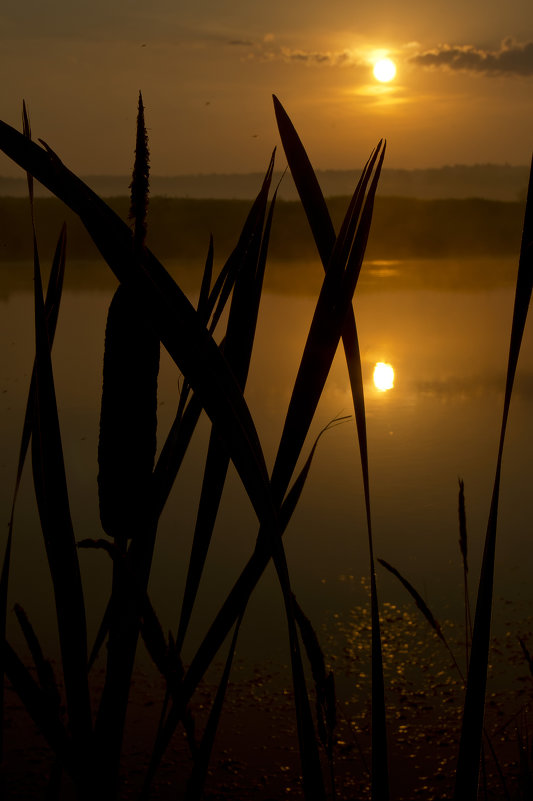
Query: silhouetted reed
[149,308]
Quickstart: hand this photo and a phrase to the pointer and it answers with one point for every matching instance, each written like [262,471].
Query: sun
[384,70]
[383,376]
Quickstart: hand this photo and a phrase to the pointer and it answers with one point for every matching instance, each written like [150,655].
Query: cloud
[513,58]
[343,58]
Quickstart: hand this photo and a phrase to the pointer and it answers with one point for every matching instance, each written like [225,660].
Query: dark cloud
[513,58]
[240,43]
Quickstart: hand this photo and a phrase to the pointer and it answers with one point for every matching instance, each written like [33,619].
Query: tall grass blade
[205,288]
[463,546]
[210,307]
[527,655]
[43,711]
[54,512]
[238,345]
[424,608]
[43,668]
[467,776]
[324,234]
[326,713]
[232,609]
[177,323]
[325,332]
[51,309]
[196,783]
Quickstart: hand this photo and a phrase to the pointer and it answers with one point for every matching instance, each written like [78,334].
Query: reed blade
[324,234]
[196,783]
[324,335]
[467,775]
[205,288]
[51,492]
[177,323]
[231,610]
[42,710]
[54,512]
[51,310]
[238,346]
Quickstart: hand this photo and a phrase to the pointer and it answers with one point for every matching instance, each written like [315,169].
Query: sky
[207,69]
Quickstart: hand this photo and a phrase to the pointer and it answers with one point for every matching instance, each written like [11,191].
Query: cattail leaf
[324,335]
[178,439]
[324,682]
[307,184]
[467,775]
[205,287]
[237,348]
[177,323]
[53,505]
[232,608]
[323,232]
[51,311]
[54,512]
[245,584]
[293,495]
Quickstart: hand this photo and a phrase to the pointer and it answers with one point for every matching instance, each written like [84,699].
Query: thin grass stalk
[435,625]
[326,713]
[54,513]
[51,309]
[325,332]
[324,234]
[425,610]
[334,301]
[196,783]
[244,267]
[467,775]
[463,545]
[44,713]
[186,340]
[172,313]
[238,345]
[228,614]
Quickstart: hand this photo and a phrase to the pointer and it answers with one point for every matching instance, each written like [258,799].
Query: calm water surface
[444,327]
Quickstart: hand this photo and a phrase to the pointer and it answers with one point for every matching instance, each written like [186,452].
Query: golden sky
[207,70]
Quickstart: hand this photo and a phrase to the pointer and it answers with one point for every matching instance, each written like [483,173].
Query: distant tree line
[180,228]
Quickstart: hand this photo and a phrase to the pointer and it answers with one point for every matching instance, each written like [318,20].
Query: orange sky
[463,92]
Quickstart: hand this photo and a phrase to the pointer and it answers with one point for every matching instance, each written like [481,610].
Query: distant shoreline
[180,228]
[489,181]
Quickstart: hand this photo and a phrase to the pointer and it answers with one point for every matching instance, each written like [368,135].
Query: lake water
[443,326]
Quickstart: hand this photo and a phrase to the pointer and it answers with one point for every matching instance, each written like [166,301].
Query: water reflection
[383,376]
[444,420]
